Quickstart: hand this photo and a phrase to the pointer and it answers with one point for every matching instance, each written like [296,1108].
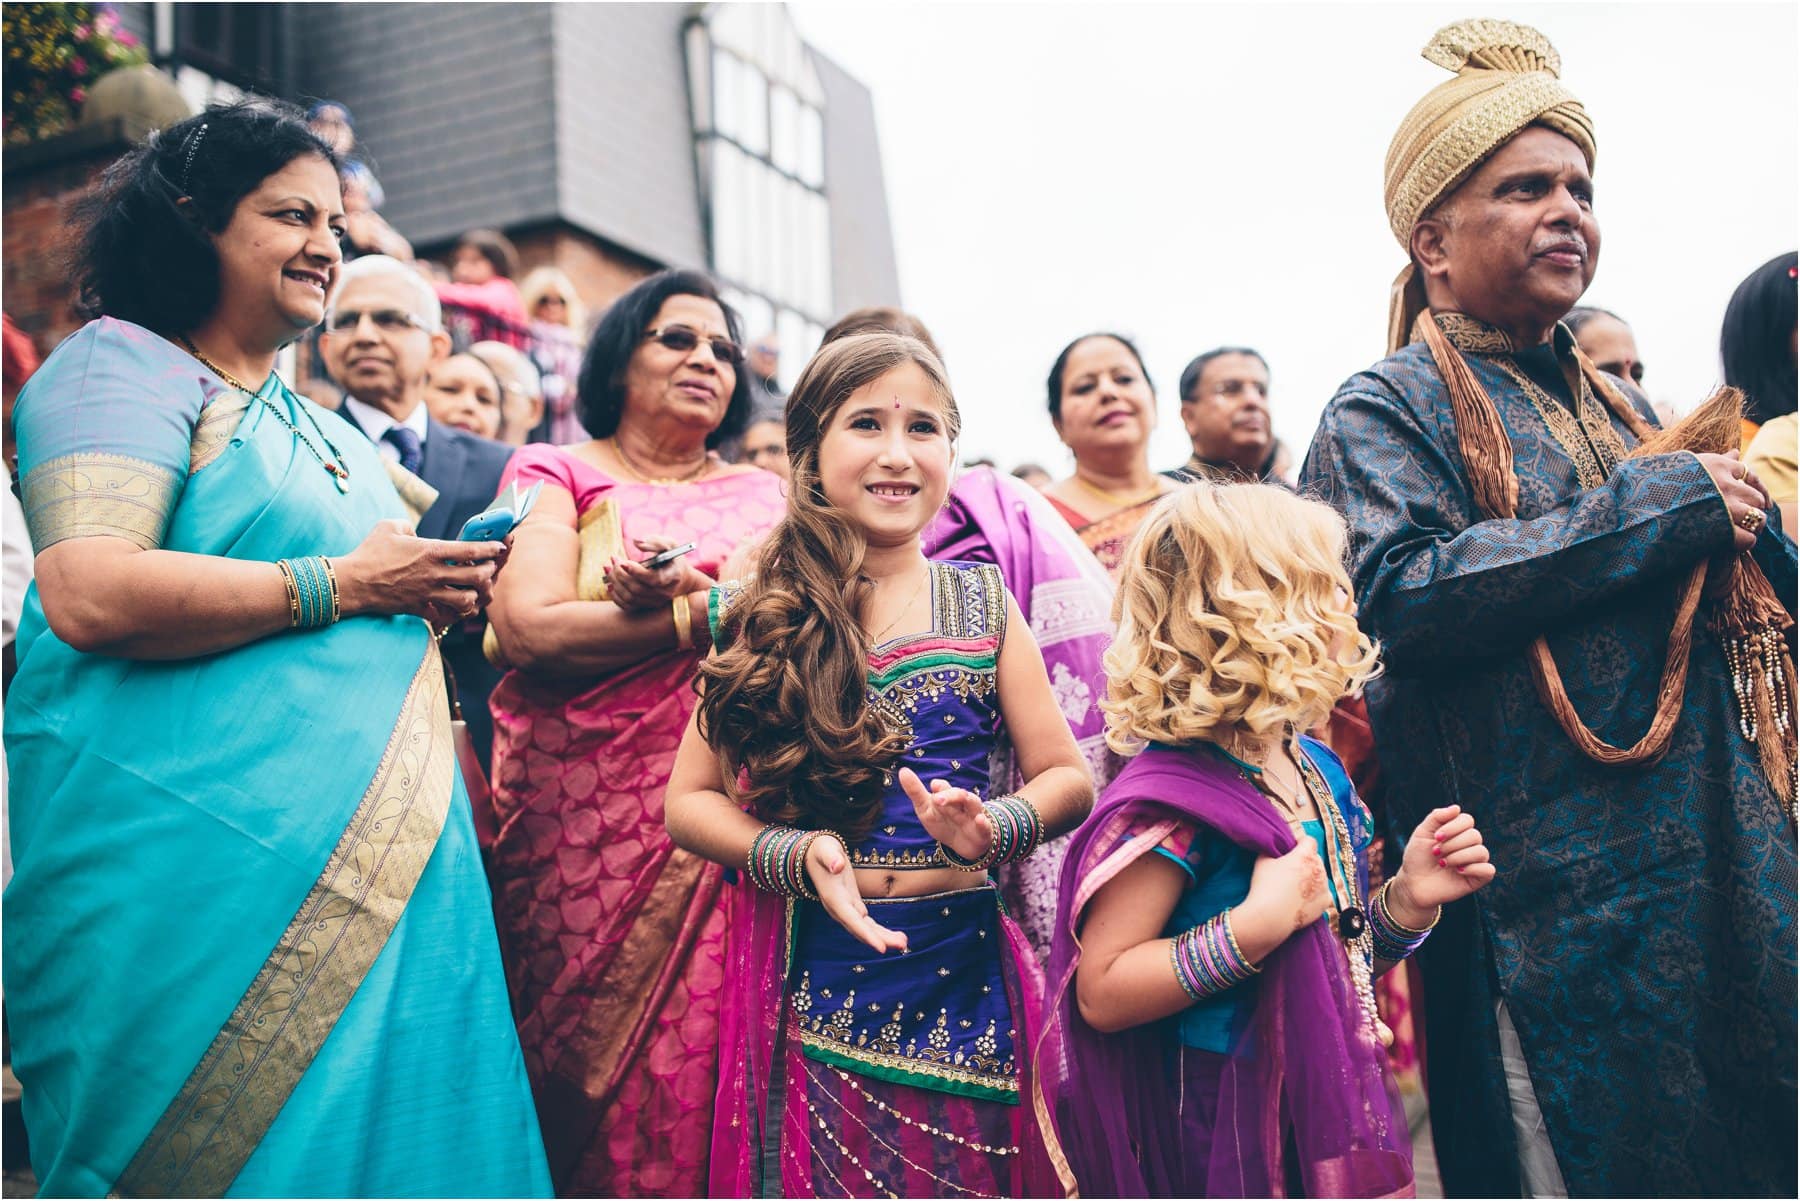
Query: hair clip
[193,146]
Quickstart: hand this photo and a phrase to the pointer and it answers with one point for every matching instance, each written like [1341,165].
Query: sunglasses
[681,338]
[392,320]
[544,300]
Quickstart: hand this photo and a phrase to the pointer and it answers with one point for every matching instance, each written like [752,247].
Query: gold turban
[1506,79]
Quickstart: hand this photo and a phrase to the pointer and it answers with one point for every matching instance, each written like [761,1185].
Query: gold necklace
[1113,498]
[619,451]
[882,633]
[334,466]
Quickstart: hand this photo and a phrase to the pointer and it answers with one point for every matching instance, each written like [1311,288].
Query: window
[759,141]
[239,44]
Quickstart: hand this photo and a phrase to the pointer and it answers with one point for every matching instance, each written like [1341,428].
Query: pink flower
[105,21]
[78,67]
[78,95]
[125,39]
[82,32]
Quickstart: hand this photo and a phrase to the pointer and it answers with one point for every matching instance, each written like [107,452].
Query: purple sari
[1302,1105]
[1066,597]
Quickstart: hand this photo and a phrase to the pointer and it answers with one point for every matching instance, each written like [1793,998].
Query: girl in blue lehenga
[249,946]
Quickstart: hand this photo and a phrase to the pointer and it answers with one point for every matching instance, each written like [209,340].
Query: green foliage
[54,53]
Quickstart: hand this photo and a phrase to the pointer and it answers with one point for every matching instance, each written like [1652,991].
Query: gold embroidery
[218,424]
[1470,335]
[213,1125]
[1586,435]
[90,494]
[1570,431]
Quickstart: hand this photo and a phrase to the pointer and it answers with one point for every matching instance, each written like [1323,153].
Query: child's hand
[1445,861]
[1286,894]
[953,816]
[828,867]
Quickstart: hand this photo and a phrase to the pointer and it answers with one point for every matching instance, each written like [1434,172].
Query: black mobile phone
[668,556]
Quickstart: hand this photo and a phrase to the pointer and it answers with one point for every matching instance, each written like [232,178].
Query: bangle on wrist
[777,860]
[1394,940]
[684,623]
[1017,832]
[312,590]
[1207,959]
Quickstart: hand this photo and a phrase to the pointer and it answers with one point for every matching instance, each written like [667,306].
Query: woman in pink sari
[613,937]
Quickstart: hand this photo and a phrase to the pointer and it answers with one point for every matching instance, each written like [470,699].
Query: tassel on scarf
[1744,613]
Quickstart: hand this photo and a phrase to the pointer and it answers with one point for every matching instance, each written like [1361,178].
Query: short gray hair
[425,299]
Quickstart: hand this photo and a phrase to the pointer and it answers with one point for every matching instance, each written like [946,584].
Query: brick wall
[35,282]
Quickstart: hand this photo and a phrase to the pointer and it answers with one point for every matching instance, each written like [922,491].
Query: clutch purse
[602,539]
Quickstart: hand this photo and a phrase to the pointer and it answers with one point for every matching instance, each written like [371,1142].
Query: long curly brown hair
[784,699]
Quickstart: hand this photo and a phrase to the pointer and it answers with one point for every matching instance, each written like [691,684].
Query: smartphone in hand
[665,557]
[495,522]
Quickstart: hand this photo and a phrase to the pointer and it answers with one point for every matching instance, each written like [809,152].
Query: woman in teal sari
[249,949]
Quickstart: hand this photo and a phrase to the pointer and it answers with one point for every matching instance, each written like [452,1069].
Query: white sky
[1194,175]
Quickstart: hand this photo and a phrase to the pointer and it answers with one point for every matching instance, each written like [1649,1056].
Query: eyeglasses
[392,320]
[556,300]
[681,338]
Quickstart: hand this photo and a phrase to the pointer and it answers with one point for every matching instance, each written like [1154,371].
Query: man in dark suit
[383,331]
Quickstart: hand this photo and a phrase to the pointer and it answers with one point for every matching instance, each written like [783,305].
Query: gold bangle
[684,624]
[293,593]
[331,575]
[1381,898]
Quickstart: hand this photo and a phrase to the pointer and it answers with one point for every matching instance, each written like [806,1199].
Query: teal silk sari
[249,944]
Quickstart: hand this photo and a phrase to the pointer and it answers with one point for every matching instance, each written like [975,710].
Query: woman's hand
[1445,861]
[953,816]
[828,867]
[634,586]
[395,571]
[1286,894]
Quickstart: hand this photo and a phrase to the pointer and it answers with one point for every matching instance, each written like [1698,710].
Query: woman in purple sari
[1211,1028]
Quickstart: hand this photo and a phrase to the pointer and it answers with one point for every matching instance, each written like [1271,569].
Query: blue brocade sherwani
[1641,931]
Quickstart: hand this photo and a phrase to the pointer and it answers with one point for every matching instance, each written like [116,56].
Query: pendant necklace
[881,633]
[334,466]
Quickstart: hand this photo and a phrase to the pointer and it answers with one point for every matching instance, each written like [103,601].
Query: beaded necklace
[1348,919]
[334,466]
[1351,923]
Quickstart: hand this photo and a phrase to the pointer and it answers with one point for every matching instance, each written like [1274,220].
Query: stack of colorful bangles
[1207,959]
[1017,832]
[312,592]
[1393,941]
[777,861]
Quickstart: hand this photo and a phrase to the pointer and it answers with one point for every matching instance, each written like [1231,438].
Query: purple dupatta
[1302,1103]
[1066,598]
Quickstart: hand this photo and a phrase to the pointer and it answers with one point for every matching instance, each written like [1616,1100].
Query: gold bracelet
[331,575]
[684,624]
[1381,898]
[293,593]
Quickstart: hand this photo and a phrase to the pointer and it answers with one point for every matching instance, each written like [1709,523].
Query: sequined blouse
[940,687]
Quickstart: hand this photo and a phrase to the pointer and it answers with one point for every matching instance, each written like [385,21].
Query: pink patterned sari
[614,939]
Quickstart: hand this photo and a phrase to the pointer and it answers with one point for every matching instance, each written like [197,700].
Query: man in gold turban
[1587,625]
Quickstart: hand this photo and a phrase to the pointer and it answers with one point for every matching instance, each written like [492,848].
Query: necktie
[405,441]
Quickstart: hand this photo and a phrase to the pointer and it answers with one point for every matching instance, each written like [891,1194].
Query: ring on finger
[1742,473]
[1751,520]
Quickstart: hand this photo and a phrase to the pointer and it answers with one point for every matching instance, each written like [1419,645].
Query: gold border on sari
[221,1113]
[93,494]
[218,424]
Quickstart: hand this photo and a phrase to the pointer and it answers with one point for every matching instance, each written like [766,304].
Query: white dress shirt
[376,423]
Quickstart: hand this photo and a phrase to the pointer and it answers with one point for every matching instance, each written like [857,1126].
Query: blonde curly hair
[1230,619]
